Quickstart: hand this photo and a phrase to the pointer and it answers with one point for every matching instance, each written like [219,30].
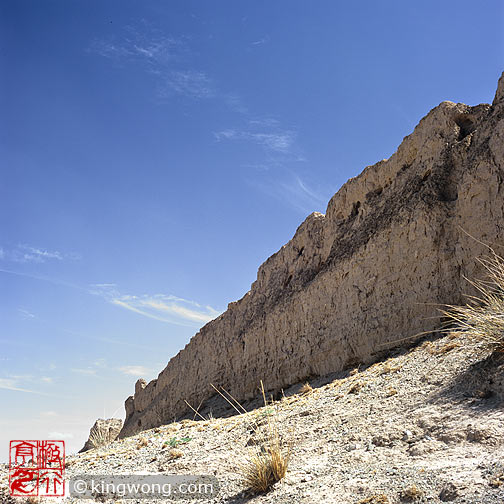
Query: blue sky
[154,154]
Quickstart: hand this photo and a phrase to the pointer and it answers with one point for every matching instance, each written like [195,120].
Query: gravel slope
[425,425]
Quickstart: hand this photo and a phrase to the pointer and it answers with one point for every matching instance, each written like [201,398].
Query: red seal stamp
[37,468]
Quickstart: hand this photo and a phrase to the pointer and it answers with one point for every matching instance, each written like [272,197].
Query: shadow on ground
[480,386]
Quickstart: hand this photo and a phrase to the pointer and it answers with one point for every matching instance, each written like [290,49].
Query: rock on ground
[102,433]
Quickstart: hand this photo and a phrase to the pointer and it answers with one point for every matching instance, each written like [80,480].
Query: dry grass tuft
[268,459]
[429,347]
[98,438]
[482,318]
[497,480]
[306,389]
[336,383]
[448,347]
[355,388]
[266,465]
[175,453]
[389,368]
[411,493]
[375,499]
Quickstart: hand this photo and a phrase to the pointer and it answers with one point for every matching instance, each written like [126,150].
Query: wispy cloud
[32,254]
[13,384]
[292,190]
[275,175]
[41,278]
[23,253]
[235,103]
[160,55]
[26,253]
[168,309]
[265,122]
[170,61]
[277,141]
[135,370]
[260,41]
[301,190]
[143,45]
[10,384]
[48,414]
[25,313]
[100,363]
[190,83]
[162,307]
[84,371]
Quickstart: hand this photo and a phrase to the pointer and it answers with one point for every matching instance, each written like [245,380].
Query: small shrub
[267,412]
[482,318]
[375,499]
[176,453]
[174,441]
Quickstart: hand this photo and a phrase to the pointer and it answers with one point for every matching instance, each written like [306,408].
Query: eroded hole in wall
[374,193]
[466,125]
[355,209]
[449,192]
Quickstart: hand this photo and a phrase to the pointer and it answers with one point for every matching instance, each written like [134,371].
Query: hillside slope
[430,418]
